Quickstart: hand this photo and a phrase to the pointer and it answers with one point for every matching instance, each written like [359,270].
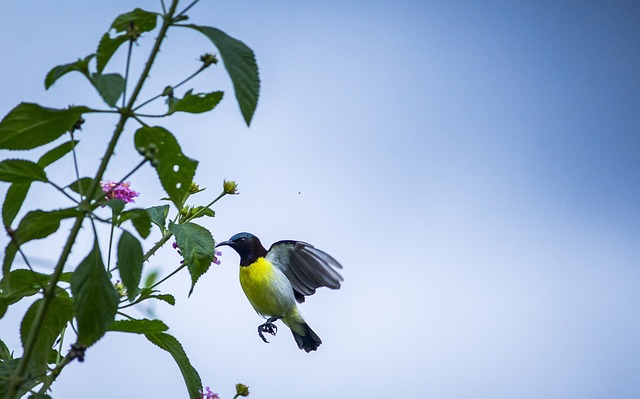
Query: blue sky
[475,167]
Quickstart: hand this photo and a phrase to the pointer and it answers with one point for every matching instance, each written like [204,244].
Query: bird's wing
[306,267]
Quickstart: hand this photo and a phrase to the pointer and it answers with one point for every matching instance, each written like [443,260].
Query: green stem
[62,191]
[193,75]
[113,227]
[19,375]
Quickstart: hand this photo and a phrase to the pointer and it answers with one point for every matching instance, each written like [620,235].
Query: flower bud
[242,390]
[230,187]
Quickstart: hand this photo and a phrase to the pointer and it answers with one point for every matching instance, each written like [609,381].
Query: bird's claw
[268,328]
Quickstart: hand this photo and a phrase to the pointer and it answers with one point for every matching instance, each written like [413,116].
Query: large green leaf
[40,224]
[241,65]
[59,313]
[144,21]
[35,225]
[29,125]
[19,284]
[158,216]
[95,300]
[143,326]
[130,260]
[13,201]
[189,373]
[55,154]
[110,86]
[195,103]
[82,66]
[21,171]
[107,47]
[197,247]
[175,170]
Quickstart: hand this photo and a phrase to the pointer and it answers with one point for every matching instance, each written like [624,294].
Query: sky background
[475,166]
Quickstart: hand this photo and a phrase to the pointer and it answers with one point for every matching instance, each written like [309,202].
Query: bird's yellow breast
[267,288]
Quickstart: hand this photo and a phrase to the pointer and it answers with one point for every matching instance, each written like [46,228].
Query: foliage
[93,299]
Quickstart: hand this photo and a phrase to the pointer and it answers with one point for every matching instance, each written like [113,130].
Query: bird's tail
[305,337]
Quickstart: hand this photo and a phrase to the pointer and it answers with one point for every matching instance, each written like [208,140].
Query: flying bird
[275,280]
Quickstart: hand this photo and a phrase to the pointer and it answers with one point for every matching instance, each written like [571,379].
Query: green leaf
[241,65]
[130,260]
[82,185]
[16,194]
[195,103]
[59,313]
[82,66]
[140,219]
[19,284]
[21,171]
[109,86]
[201,211]
[197,247]
[159,215]
[29,125]
[56,153]
[174,169]
[189,373]
[40,224]
[107,48]
[35,225]
[5,353]
[39,395]
[95,300]
[6,371]
[144,21]
[168,298]
[143,326]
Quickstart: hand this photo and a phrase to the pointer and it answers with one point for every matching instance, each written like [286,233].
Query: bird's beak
[227,243]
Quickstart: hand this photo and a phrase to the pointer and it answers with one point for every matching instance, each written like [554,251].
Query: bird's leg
[268,327]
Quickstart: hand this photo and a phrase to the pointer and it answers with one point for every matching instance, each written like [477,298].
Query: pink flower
[119,191]
[208,394]
[215,257]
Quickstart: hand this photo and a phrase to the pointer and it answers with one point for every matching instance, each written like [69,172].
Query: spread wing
[306,267]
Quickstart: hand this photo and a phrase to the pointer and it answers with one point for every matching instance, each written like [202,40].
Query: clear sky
[475,166]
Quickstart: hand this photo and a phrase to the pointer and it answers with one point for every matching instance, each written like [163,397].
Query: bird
[275,281]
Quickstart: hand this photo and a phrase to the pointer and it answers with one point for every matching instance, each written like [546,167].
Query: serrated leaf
[28,126]
[106,48]
[19,284]
[130,261]
[144,21]
[195,103]
[21,171]
[174,169]
[201,211]
[5,353]
[6,371]
[158,216]
[13,201]
[140,219]
[55,154]
[82,66]
[110,87]
[241,65]
[40,224]
[168,298]
[95,300]
[59,313]
[189,373]
[197,247]
[143,326]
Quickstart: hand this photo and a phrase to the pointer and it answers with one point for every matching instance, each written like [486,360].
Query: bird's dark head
[247,246]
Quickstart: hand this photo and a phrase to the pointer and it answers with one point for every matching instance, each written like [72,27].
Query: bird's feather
[306,267]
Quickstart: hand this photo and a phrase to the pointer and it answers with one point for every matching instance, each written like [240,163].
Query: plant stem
[18,376]
[193,75]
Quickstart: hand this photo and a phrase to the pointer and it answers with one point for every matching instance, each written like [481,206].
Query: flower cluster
[120,191]
[207,394]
